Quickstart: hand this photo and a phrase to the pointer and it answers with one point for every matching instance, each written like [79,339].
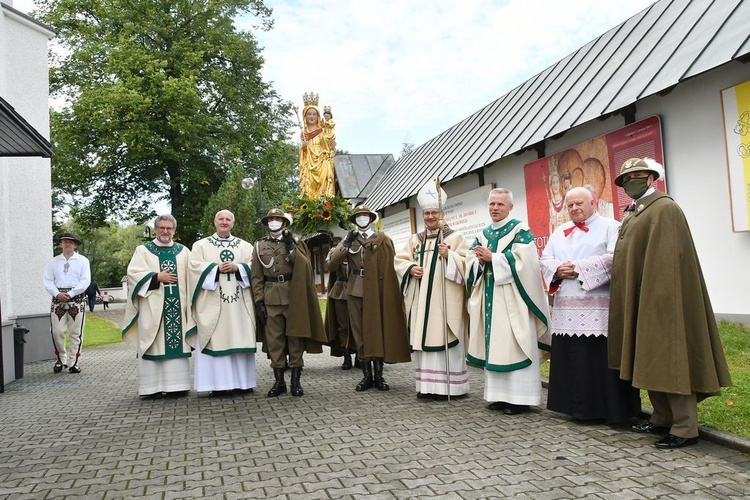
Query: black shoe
[347,364]
[279,386]
[58,366]
[515,409]
[156,395]
[366,382]
[243,391]
[296,385]
[219,394]
[75,369]
[377,376]
[671,441]
[498,406]
[176,394]
[649,428]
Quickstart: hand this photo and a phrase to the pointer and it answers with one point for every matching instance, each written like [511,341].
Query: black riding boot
[347,365]
[296,386]
[279,387]
[366,381]
[379,380]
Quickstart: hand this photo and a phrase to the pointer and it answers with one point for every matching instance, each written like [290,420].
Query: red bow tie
[579,225]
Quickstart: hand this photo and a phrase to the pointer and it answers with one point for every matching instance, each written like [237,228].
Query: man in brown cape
[376,312]
[663,335]
[337,314]
[282,275]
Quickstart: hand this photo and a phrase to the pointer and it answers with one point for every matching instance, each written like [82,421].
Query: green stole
[430,282]
[172,312]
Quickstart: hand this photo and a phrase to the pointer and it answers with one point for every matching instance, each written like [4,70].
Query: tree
[278,181]
[162,97]
[108,248]
[406,148]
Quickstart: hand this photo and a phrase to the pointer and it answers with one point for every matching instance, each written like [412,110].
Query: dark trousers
[92,302]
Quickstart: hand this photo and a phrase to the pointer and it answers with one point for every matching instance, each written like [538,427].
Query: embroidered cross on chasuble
[171,314]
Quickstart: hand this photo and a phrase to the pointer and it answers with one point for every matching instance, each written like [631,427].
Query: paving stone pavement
[90,436]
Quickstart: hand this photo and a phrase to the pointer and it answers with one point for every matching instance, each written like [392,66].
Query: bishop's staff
[444,266]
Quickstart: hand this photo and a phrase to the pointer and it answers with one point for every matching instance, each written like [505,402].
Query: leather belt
[281,278]
[357,272]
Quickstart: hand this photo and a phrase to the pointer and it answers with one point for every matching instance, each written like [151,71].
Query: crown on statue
[326,109]
[310,99]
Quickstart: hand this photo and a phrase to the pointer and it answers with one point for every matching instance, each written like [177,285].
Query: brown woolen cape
[331,319]
[383,321]
[304,319]
[663,334]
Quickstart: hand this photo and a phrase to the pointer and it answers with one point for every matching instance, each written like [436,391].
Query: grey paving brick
[331,443]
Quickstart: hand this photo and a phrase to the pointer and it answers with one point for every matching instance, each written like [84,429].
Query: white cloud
[406,70]
[399,71]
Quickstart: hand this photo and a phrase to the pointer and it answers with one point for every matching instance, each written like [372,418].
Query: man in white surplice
[577,266]
[428,263]
[508,309]
[156,315]
[223,309]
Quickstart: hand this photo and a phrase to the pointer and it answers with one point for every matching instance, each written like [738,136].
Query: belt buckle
[280,278]
[361,273]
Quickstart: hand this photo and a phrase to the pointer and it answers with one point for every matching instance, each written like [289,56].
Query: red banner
[596,163]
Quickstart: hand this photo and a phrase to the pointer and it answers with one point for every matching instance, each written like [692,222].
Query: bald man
[577,265]
[222,305]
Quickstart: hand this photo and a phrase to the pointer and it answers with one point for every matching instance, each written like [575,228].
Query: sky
[404,71]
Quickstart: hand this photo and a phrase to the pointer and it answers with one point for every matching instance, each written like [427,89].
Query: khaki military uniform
[272,269]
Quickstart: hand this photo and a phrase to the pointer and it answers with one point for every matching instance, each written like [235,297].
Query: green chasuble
[158,319]
[497,337]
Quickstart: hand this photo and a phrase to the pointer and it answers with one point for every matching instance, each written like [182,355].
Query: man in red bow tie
[576,265]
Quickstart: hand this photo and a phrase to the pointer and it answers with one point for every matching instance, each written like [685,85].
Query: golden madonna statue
[317,149]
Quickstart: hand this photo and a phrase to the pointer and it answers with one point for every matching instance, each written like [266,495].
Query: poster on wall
[735,102]
[466,212]
[398,227]
[594,163]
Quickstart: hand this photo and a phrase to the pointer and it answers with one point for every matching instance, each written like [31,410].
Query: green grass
[98,331]
[730,411]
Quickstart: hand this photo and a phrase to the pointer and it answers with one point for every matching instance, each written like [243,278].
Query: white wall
[25,186]
[696,174]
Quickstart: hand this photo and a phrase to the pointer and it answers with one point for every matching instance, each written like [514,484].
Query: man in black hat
[66,278]
[281,274]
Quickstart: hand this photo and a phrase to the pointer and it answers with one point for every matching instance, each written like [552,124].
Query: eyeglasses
[165,229]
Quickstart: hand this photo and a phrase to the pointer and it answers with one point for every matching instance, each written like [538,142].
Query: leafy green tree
[278,181]
[108,248]
[161,98]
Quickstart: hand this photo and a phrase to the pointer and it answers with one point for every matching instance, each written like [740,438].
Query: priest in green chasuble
[508,309]
[223,308]
[157,316]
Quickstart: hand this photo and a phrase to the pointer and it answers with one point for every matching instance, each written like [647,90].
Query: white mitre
[428,197]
